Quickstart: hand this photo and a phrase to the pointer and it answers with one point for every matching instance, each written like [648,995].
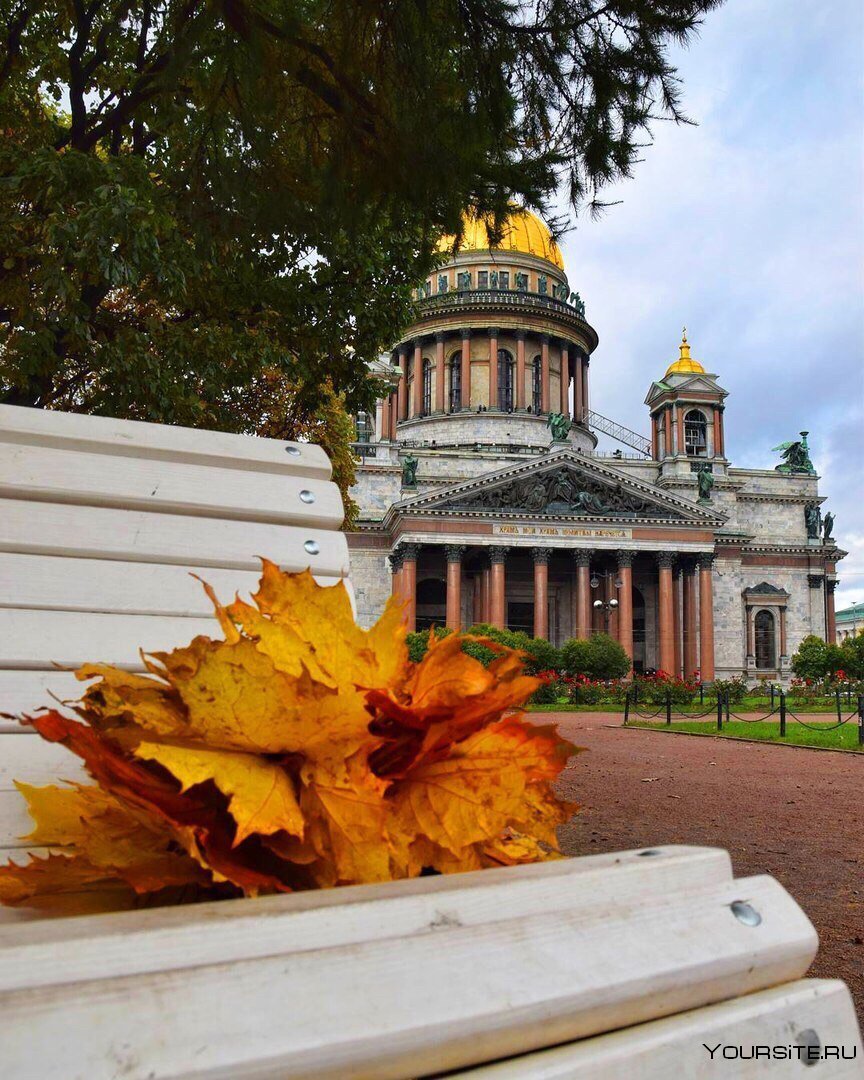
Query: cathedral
[483,496]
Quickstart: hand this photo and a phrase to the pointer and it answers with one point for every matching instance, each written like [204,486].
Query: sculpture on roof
[827,527]
[705,482]
[796,456]
[813,519]
[560,426]
[409,471]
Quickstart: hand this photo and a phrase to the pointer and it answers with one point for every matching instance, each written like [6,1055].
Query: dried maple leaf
[299,751]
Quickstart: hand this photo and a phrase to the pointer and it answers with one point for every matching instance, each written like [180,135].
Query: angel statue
[560,426]
[827,527]
[705,481]
[796,456]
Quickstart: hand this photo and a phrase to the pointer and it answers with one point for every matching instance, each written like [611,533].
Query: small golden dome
[523,231]
[685,364]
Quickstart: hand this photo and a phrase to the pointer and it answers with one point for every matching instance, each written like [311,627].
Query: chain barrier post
[728,695]
[701,693]
[861,719]
[626,704]
[782,714]
[839,717]
[719,713]
[668,707]
[772,695]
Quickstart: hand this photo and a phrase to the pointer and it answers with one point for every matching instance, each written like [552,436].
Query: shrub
[598,657]
[735,689]
[654,689]
[541,654]
[418,642]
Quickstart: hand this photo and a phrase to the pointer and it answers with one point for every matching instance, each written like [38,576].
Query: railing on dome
[516,298]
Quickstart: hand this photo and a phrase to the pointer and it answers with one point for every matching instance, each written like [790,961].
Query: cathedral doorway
[638,632]
[520,616]
[431,603]
[766,651]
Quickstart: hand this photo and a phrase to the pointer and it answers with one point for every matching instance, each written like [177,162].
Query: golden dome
[685,364]
[523,231]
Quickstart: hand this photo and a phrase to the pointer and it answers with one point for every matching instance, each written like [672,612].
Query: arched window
[427,386]
[455,382]
[505,381]
[537,385]
[766,652]
[696,433]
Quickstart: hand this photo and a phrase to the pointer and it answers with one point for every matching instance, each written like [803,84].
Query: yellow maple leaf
[261,794]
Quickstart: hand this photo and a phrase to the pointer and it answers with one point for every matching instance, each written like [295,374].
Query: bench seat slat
[450,996]
[675,1046]
[46,474]
[135,438]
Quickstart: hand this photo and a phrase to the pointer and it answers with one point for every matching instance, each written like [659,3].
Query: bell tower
[687,407]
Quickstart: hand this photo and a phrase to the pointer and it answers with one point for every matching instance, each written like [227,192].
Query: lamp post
[610,606]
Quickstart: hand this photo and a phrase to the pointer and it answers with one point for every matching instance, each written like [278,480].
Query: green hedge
[598,657]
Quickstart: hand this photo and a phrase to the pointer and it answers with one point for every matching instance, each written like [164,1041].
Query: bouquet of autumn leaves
[299,752]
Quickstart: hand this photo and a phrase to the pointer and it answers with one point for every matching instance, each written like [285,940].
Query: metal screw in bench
[307,496]
[292,450]
[312,547]
[808,1040]
[745,913]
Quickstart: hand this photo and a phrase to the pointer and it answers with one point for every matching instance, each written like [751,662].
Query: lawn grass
[842,738]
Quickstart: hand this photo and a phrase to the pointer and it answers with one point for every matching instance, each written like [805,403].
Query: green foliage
[242,195]
[655,690]
[735,689]
[418,642]
[817,660]
[541,654]
[598,657]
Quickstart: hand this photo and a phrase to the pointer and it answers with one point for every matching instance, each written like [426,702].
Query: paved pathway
[795,813]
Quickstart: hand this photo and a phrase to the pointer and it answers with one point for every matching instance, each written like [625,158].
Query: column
[409,554]
[395,560]
[830,617]
[439,373]
[520,369]
[706,618]
[676,622]
[654,440]
[541,558]
[625,602]
[385,418]
[565,379]
[465,374]
[751,635]
[679,430]
[497,588]
[783,654]
[454,553]
[418,378]
[661,435]
[544,373]
[493,367]
[709,434]
[667,427]
[582,619]
[578,404]
[586,403]
[691,661]
[666,627]
[394,415]
[402,390]
[719,448]
[610,611]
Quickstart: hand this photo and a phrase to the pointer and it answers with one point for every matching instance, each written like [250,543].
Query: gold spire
[685,364]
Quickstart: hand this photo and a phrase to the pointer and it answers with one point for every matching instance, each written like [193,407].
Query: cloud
[750,229]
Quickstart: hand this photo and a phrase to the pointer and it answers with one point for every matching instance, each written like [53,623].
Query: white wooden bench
[609,966]
[102,524]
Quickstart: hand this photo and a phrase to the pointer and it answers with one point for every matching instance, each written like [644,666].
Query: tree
[196,197]
[811,660]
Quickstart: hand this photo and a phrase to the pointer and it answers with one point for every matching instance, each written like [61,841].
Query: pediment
[558,485]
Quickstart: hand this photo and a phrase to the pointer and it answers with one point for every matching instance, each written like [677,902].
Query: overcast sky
[749,229]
